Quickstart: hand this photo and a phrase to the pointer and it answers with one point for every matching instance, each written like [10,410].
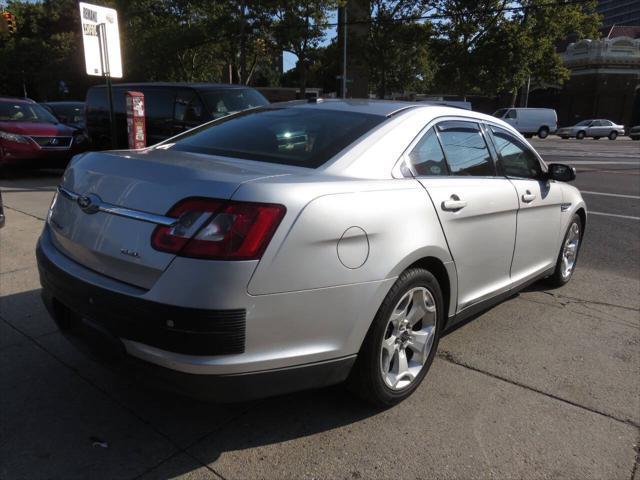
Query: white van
[530,121]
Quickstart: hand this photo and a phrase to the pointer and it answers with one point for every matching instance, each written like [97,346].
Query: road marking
[635,197]
[599,162]
[629,217]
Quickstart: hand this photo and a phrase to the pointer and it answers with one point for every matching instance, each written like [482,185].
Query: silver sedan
[592,128]
[303,244]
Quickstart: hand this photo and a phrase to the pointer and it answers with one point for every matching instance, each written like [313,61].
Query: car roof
[63,103]
[195,85]
[16,99]
[383,108]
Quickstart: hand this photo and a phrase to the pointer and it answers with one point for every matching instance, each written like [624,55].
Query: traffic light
[9,21]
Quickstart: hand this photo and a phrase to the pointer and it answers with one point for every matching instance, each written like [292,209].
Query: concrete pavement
[545,385]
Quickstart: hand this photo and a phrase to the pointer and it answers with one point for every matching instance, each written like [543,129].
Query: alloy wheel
[570,250]
[408,338]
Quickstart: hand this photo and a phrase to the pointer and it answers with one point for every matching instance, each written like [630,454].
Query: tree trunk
[514,97]
[302,65]
[243,44]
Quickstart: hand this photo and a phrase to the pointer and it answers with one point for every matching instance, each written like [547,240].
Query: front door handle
[528,197]
[453,204]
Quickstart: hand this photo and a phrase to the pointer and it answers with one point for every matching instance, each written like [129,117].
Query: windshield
[584,123]
[24,112]
[305,137]
[223,102]
[500,113]
[72,113]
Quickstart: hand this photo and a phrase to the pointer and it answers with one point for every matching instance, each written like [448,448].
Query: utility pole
[343,90]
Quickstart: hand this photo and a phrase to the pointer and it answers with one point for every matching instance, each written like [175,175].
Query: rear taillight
[219,229]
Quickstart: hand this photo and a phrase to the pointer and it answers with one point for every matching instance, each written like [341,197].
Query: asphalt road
[545,385]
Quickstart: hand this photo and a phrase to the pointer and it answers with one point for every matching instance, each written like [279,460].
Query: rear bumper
[107,324]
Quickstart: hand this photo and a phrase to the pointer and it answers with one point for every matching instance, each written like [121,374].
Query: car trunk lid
[109,204]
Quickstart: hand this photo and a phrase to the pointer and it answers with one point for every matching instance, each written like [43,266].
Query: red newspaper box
[136,130]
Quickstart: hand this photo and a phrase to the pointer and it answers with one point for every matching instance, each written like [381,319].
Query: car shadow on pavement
[33,362]
[26,177]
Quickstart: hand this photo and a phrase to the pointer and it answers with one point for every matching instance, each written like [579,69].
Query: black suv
[171,108]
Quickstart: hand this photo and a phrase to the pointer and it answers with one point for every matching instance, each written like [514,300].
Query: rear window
[303,137]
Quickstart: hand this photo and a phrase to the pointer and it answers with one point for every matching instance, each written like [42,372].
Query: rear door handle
[528,197]
[453,204]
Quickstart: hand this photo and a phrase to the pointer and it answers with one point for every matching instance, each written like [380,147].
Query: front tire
[613,135]
[580,135]
[568,256]
[402,341]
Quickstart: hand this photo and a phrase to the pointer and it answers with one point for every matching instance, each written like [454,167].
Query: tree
[398,49]
[300,28]
[45,51]
[490,46]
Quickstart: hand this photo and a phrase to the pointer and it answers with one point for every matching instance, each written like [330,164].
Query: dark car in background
[69,113]
[634,132]
[31,135]
[170,108]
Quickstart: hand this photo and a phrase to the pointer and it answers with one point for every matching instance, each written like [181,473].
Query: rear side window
[159,103]
[465,149]
[304,137]
[515,158]
[427,157]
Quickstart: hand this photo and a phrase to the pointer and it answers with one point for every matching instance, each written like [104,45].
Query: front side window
[427,157]
[465,149]
[305,137]
[188,107]
[515,158]
[511,114]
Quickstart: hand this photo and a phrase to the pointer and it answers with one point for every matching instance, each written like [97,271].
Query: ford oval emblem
[89,203]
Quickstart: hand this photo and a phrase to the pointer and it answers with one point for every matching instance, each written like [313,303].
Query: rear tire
[613,135]
[401,344]
[543,132]
[580,135]
[568,256]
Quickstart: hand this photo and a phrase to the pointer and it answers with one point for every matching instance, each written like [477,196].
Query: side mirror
[561,172]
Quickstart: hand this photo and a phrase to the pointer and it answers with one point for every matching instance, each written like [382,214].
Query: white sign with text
[92,18]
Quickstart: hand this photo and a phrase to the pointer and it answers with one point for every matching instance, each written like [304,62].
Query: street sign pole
[106,72]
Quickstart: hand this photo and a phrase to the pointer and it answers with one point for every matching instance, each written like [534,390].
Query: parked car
[592,128]
[634,132]
[69,113]
[171,108]
[530,121]
[303,244]
[29,134]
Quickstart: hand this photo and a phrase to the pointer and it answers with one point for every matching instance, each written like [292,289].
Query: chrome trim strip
[122,211]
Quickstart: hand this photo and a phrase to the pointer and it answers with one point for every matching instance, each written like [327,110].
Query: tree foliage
[490,46]
[445,46]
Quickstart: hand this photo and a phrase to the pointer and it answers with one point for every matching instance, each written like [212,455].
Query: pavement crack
[452,358]
[583,301]
[24,213]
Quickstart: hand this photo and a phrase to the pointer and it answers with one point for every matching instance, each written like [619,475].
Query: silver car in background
[592,128]
[300,245]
